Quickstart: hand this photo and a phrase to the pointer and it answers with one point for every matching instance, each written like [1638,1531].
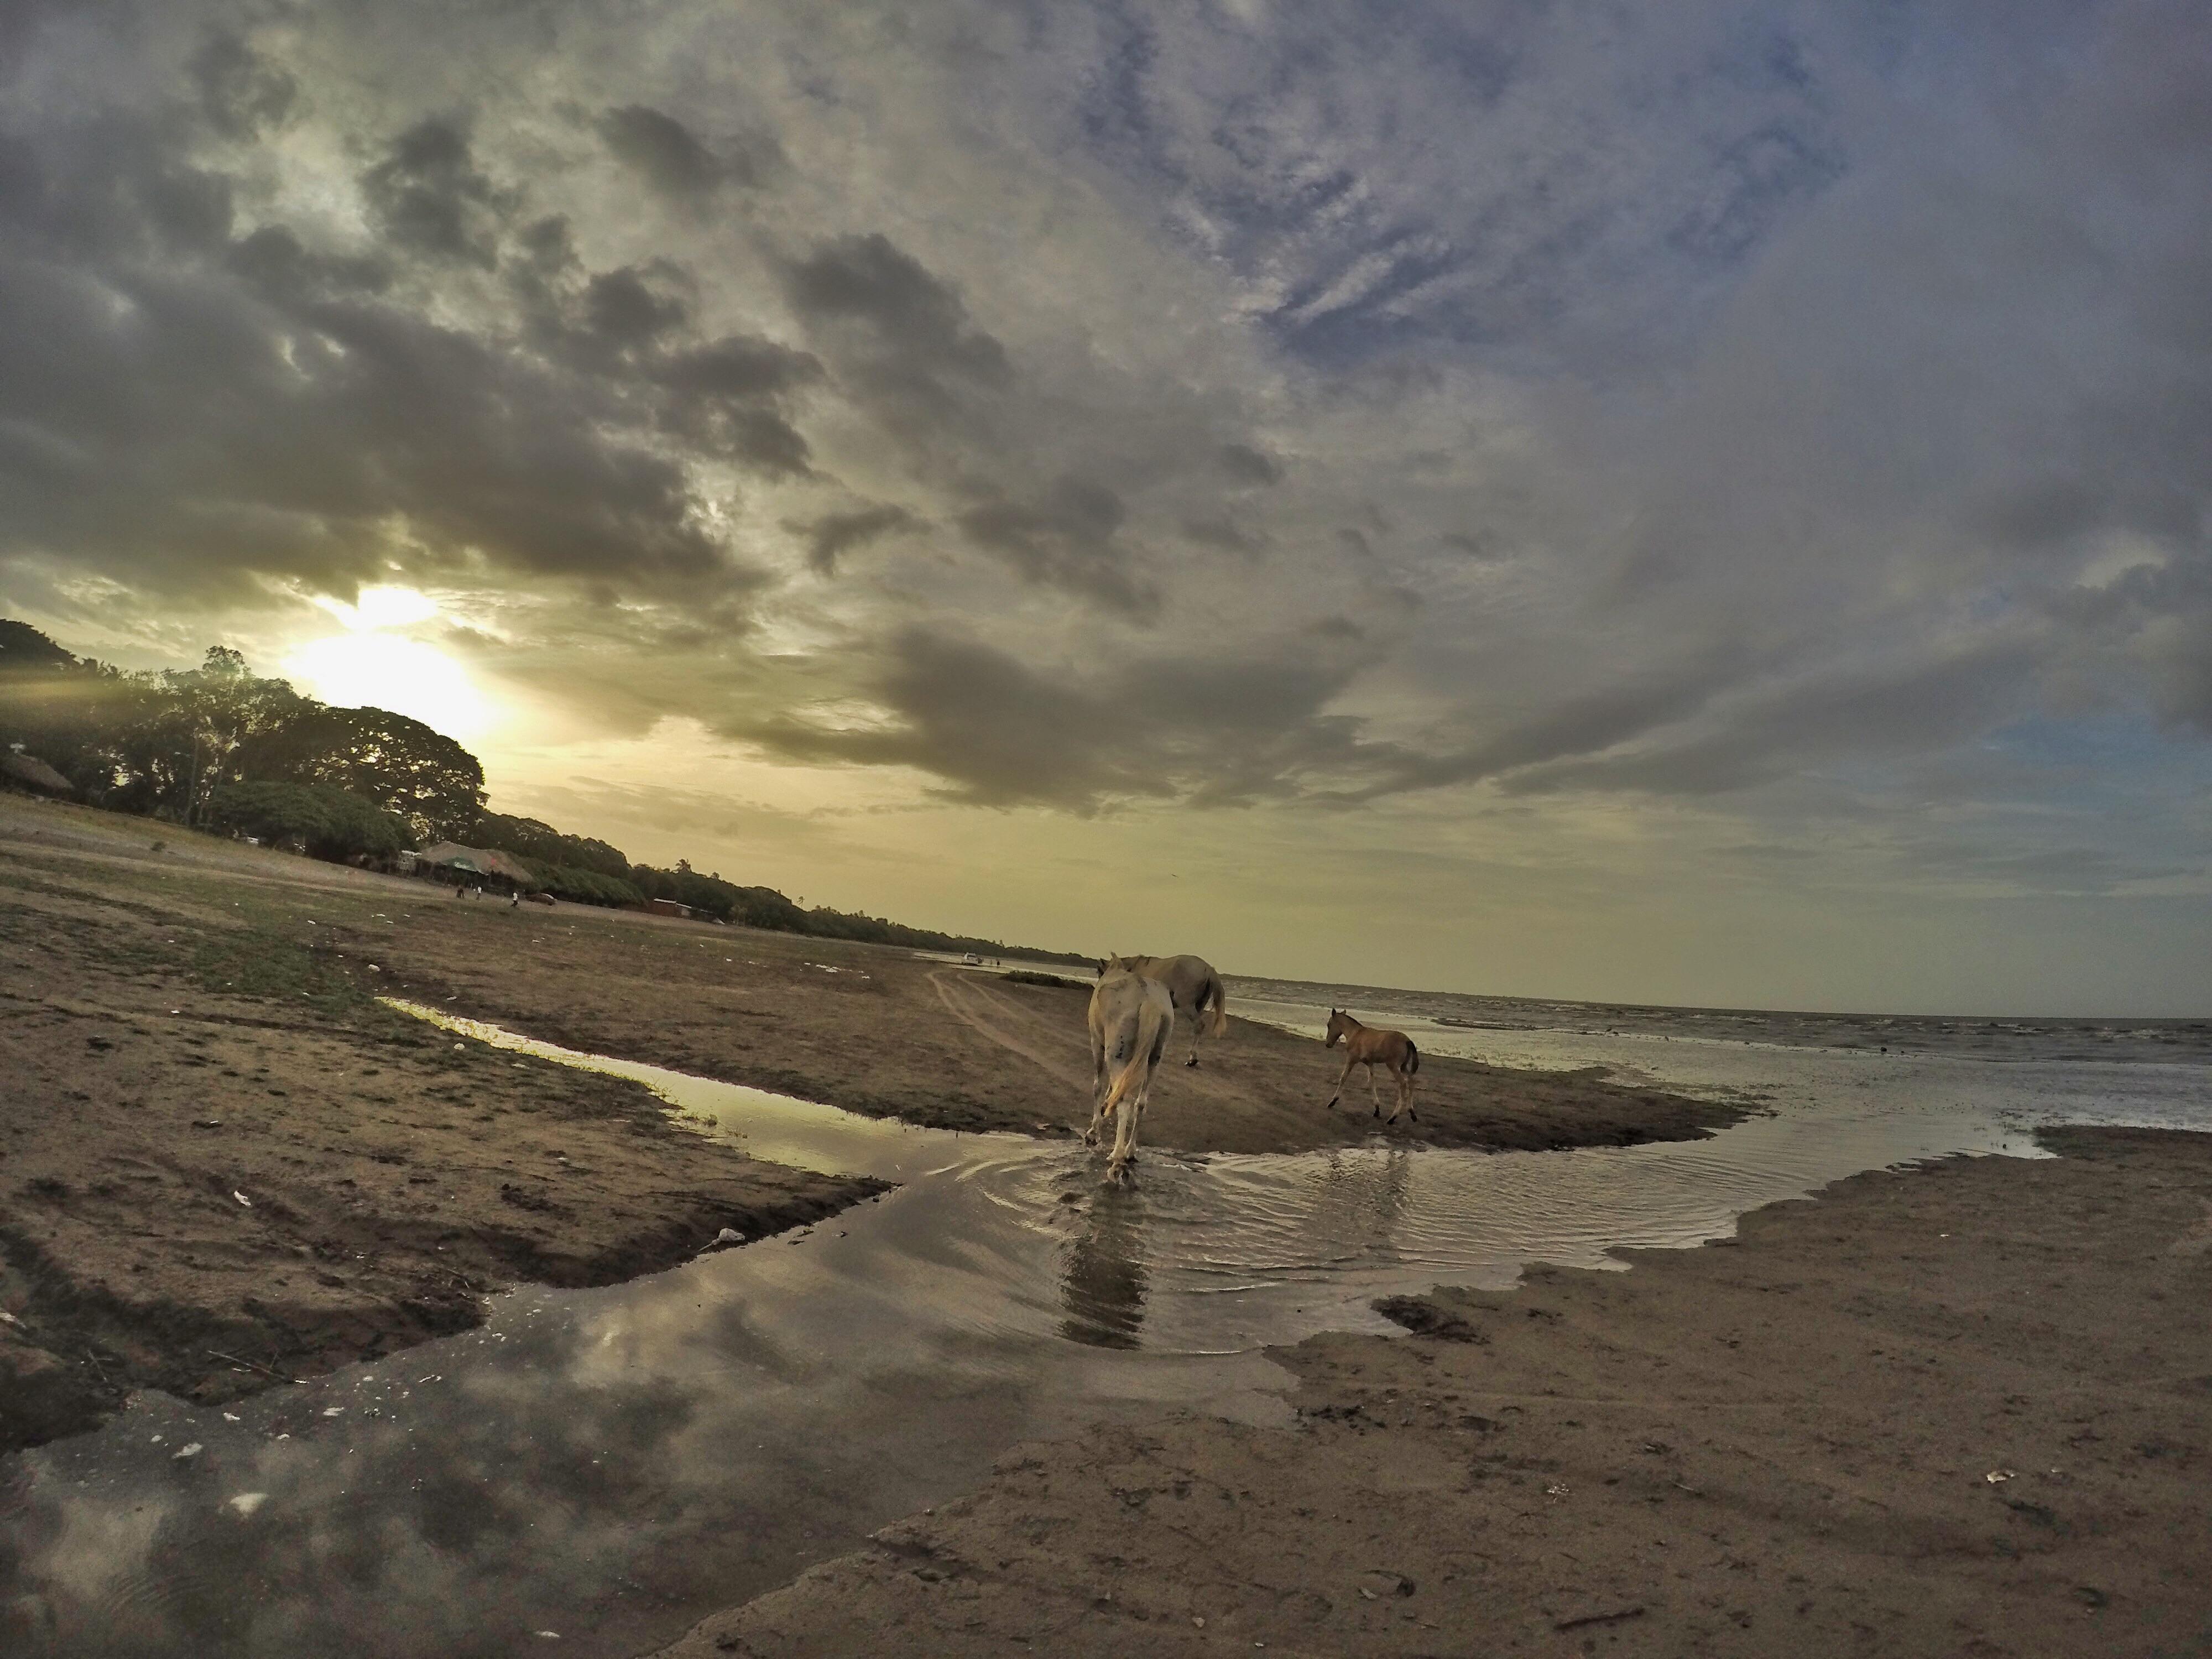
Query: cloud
[429,197]
[835,534]
[241,93]
[665,153]
[901,337]
[1250,466]
[1727,411]
[1066,538]
[991,730]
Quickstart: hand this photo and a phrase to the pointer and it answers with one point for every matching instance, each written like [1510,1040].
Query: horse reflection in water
[1103,1281]
[1361,1198]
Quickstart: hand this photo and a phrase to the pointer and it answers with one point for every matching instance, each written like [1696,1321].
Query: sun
[376,669]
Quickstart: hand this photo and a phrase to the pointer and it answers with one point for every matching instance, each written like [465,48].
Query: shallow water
[609,1465]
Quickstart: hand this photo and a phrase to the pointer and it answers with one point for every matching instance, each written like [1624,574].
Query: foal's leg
[1348,1064]
[1371,1095]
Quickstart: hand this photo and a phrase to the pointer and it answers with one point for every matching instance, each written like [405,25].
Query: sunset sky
[1692,503]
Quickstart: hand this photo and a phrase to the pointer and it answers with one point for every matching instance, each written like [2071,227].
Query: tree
[325,822]
[401,764]
[542,844]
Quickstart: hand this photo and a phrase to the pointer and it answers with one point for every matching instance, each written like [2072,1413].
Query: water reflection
[610,1464]
[1101,1280]
[1362,1197]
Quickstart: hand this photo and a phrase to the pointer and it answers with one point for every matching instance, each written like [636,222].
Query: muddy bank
[1783,1443]
[222,1162]
[876,1031]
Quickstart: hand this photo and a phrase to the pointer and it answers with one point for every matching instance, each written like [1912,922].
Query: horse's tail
[1144,1054]
[1413,1058]
[1216,1019]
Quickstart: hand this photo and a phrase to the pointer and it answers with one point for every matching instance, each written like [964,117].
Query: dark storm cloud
[995,732]
[733,397]
[241,93]
[832,536]
[1250,466]
[622,310]
[1923,707]
[191,411]
[1066,538]
[902,338]
[1576,725]
[428,195]
[670,157]
[1218,530]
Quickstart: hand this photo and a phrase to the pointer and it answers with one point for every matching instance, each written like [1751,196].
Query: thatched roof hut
[476,862]
[29,772]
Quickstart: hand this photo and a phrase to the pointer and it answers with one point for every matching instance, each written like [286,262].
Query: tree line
[219,747]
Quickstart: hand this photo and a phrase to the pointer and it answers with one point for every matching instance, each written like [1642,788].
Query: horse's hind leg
[1125,1135]
[1340,1082]
[1100,1081]
[1401,1084]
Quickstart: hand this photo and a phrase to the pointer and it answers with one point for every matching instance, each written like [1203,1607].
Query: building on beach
[23,771]
[449,860]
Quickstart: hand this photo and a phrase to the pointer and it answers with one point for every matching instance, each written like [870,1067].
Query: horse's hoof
[1191,1061]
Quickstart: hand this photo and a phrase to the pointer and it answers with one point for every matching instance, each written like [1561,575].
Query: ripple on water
[612,1463]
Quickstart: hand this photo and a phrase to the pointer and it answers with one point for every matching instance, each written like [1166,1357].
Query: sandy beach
[1961,1409]
[227,1161]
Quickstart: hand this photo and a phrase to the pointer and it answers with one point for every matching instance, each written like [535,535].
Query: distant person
[460,889]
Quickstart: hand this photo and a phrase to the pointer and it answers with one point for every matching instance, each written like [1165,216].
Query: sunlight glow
[382,607]
[390,670]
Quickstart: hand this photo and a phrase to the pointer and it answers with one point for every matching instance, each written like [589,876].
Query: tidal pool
[593,1470]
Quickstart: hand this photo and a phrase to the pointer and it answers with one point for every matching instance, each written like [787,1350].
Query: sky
[1692,504]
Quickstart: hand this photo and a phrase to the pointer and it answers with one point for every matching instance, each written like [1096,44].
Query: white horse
[1193,985]
[1131,1020]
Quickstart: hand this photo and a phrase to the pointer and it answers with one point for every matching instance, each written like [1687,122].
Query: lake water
[593,1470]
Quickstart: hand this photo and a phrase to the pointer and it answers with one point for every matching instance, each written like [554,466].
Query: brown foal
[1370,1046]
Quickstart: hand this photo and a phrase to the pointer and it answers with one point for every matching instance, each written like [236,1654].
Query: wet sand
[1785,1442]
[224,1162]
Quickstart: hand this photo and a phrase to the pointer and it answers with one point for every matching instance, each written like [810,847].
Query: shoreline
[225,1163]
[1961,1407]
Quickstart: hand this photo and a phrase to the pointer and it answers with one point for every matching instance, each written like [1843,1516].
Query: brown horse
[1370,1046]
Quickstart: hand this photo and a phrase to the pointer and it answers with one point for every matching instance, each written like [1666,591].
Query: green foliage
[542,844]
[218,744]
[423,775]
[153,743]
[566,881]
[749,907]
[325,822]
[875,930]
